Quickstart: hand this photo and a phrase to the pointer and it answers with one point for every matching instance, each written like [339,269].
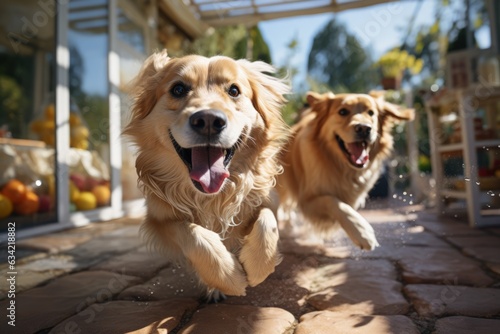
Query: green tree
[296,100]
[338,60]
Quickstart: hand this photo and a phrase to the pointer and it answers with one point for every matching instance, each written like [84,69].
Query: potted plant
[392,65]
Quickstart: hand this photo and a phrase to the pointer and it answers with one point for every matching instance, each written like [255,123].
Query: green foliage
[218,41]
[231,41]
[16,87]
[338,60]
[11,103]
[94,110]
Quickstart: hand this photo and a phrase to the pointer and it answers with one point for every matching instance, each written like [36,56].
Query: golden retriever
[334,157]
[208,132]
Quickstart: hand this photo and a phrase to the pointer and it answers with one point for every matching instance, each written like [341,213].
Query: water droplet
[478,183]
[394,196]
[404,193]
[467,179]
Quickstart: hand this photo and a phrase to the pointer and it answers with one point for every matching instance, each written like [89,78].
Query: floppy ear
[390,109]
[268,91]
[319,102]
[402,114]
[144,87]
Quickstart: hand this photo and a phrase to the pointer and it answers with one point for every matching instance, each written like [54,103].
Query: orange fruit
[37,126]
[14,190]
[79,133]
[28,205]
[49,111]
[74,119]
[102,194]
[86,201]
[5,206]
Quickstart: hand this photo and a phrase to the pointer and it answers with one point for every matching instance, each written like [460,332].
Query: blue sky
[378,28]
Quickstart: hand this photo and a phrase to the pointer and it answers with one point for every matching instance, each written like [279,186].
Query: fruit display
[28,204]
[21,199]
[14,190]
[87,193]
[44,128]
[86,201]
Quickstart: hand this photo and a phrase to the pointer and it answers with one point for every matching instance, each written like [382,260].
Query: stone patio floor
[430,275]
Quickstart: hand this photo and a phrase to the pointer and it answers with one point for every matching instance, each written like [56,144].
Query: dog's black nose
[208,122]
[363,130]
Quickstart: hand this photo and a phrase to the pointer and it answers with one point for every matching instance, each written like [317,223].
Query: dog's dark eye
[179,90]
[233,91]
[343,112]
[370,112]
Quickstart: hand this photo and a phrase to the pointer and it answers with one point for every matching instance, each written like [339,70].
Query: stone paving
[430,275]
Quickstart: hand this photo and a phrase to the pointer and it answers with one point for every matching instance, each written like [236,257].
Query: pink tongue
[208,168]
[359,154]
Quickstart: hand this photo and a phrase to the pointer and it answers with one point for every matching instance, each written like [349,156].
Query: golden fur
[321,177]
[228,234]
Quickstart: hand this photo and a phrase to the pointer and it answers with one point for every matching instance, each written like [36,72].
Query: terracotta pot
[391,83]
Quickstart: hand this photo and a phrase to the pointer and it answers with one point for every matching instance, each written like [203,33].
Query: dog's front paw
[367,239]
[259,266]
[231,278]
[215,266]
[259,254]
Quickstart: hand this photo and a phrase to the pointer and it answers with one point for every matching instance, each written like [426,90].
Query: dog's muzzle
[207,164]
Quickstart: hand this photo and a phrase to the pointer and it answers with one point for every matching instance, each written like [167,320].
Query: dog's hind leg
[326,210]
[259,254]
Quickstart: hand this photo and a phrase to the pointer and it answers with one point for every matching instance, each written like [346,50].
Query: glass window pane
[89,106]
[27,123]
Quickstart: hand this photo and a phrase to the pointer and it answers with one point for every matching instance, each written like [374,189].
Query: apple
[90,183]
[79,181]
[45,203]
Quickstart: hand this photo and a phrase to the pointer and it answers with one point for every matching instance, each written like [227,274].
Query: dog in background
[334,157]
[208,132]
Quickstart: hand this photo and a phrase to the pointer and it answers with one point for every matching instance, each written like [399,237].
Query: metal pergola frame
[197,16]
[217,13]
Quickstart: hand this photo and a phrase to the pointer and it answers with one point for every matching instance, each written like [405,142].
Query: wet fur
[228,238]
[319,180]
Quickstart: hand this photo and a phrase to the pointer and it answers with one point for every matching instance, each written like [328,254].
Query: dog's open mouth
[207,165]
[356,152]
